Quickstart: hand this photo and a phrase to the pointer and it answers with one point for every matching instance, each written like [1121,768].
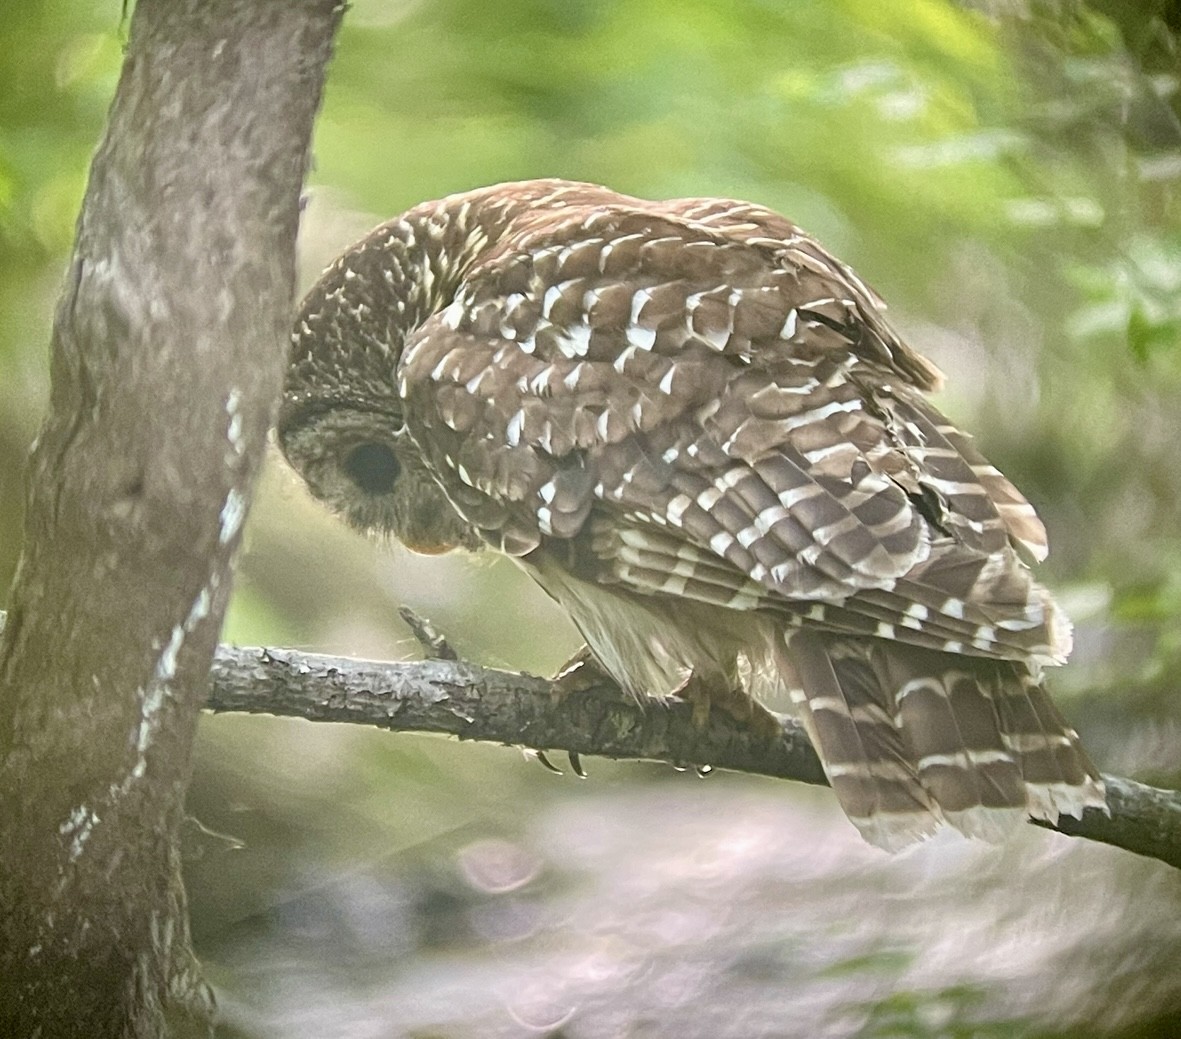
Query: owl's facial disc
[348,458]
[362,465]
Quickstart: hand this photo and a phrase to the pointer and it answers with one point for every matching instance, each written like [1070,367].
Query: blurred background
[1007,175]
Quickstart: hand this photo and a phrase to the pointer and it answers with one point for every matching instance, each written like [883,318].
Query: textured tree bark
[168,353]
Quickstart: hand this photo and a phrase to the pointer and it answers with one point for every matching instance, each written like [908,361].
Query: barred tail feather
[1058,774]
[912,739]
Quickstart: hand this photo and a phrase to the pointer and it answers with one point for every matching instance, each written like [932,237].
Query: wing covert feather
[657,376]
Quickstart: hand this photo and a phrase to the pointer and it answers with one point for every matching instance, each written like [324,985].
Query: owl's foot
[699,694]
[705,694]
[765,724]
[578,675]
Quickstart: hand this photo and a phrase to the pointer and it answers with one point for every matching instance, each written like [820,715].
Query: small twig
[433,642]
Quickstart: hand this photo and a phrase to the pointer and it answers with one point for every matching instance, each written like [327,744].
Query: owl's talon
[548,765]
[576,764]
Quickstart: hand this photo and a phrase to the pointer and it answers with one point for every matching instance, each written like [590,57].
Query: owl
[693,427]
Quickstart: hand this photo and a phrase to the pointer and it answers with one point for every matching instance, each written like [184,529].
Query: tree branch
[476,703]
[470,702]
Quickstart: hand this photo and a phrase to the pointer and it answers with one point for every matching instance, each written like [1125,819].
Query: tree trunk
[168,352]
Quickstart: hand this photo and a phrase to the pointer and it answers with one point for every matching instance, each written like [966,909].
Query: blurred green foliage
[1005,173]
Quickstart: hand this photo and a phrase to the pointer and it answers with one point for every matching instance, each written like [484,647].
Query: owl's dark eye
[372,467]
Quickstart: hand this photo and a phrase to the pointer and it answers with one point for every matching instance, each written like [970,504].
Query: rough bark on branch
[476,703]
[168,352]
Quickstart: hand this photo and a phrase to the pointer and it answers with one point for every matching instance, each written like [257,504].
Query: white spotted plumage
[693,426]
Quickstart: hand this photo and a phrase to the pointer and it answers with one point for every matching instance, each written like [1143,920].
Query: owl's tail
[913,738]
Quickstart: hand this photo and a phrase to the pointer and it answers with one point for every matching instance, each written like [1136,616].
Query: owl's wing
[724,419]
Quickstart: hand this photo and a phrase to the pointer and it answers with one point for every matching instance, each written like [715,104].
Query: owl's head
[340,423]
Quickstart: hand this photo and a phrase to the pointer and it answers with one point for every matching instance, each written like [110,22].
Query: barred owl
[693,427]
